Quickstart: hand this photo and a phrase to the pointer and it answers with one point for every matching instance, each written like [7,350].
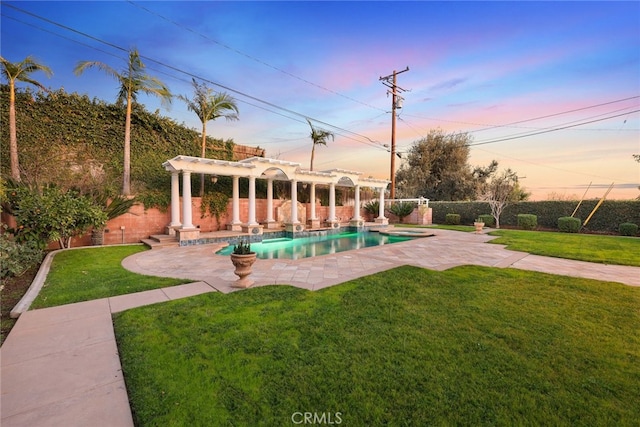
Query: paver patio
[60,365]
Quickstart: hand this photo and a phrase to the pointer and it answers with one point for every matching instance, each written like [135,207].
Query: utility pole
[391,82]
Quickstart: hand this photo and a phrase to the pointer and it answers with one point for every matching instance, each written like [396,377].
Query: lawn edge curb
[38,281]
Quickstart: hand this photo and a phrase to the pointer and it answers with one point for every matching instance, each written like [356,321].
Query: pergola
[270,170]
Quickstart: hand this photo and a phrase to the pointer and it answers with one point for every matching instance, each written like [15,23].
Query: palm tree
[209,105]
[132,80]
[19,71]
[319,137]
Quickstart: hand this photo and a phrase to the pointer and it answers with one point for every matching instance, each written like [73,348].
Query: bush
[488,220]
[527,221]
[569,224]
[372,207]
[52,213]
[402,209]
[606,219]
[628,229]
[452,219]
[16,258]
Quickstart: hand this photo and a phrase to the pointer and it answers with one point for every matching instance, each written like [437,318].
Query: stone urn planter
[242,259]
[479,226]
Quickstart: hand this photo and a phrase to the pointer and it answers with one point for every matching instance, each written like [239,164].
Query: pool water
[318,245]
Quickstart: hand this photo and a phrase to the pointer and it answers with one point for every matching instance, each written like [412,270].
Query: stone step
[157,241]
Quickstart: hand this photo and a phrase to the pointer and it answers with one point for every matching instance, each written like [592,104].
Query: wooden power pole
[391,82]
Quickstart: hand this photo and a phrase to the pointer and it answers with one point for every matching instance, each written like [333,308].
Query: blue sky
[494,69]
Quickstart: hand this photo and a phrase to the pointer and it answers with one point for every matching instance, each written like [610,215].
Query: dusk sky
[508,73]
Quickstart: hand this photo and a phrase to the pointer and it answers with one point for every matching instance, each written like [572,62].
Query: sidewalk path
[60,366]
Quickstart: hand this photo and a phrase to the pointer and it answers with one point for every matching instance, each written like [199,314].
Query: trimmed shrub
[628,229]
[488,220]
[606,219]
[16,258]
[452,219]
[527,221]
[569,224]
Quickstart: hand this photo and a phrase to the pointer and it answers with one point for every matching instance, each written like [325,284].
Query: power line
[551,130]
[366,141]
[493,126]
[246,55]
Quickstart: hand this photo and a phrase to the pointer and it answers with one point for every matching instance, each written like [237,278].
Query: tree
[318,137]
[501,191]
[19,71]
[209,106]
[132,80]
[437,168]
[52,214]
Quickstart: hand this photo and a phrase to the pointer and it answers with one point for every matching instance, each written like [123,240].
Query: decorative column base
[383,221]
[359,223]
[184,234]
[313,223]
[294,227]
[254,230]
[271,225]
[234,227]
[171,230]
[333,224]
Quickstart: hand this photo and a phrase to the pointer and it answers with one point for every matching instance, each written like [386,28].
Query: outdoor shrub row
[568,224]
[607,218]
[628,229]
[527,221]
[452,219]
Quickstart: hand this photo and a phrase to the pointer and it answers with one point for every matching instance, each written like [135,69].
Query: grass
[467,346]
[583,247]
[92,273]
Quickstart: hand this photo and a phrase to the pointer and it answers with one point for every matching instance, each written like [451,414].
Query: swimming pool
[318,245]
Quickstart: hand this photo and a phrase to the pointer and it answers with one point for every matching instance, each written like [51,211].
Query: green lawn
[92,273]
[584,247]
[410,346]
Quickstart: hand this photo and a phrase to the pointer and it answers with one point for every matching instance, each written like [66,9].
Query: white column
[236,201]
[381,208]
[312,196]
[332,202]
[175,199]
[294,202]
[186,200]
[270,200]
[356,204]
[252,201]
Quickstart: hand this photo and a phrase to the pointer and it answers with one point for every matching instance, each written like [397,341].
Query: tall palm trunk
[126,185]
[313,151]
[202,154]
[13,138]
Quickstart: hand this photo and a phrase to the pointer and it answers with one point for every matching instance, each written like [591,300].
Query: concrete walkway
[60,366]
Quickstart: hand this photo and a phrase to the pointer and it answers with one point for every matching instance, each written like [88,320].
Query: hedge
[569,224]
[452,219]
[607,218]
[527,221]
[628,229]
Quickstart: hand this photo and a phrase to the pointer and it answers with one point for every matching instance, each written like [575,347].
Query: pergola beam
[269,169]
